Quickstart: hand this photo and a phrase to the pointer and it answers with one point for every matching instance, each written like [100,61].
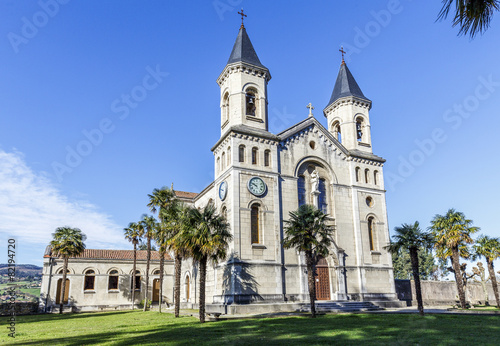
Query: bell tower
[243,87]
[347,112]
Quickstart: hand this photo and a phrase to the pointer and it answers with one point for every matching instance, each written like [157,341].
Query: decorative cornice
[347,101]
[243,67]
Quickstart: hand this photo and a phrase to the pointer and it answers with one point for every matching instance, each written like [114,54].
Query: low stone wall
[442,292]
[21,308]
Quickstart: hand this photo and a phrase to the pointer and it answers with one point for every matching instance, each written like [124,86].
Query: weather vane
[242,15]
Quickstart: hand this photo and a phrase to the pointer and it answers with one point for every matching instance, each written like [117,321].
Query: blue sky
[68,68]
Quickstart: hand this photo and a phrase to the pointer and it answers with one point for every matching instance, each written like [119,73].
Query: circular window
[369,201]
[312,144]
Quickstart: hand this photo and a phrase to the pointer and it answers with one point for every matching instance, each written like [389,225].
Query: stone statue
[315,181]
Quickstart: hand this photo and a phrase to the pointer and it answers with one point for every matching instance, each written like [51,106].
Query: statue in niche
[315,181]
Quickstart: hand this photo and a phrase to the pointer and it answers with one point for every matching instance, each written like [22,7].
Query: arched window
[370,232]
[218,165]
[89,283]
[241,153]
[223,160]
[228,156]
[375,177]
[359,129]
[156,272]
[367,175]
[254,156]
[323,206]
[357,174]
[336,131]
[187,286]
[224,212]
[137,281]
[267,158]
[225,108]
[113,280]
[62,270]
[254,223]
[251,101]
[301,187]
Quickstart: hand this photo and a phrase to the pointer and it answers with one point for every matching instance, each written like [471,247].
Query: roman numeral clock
[257,186]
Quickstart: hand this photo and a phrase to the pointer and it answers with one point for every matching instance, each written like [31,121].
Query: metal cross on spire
[242,17]
[343,52]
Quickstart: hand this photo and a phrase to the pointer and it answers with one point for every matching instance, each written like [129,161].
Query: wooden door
[322,279]
[59,289]
[156,290]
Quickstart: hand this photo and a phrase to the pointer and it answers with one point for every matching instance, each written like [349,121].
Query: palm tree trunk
[416,278]
[162,261]
[493,279]
[134,268]
[203,274]
[177,284]
[63,290]
[148,258]
[455,262]
[312,285]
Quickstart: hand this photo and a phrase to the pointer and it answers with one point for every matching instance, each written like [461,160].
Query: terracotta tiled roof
[119,254]
[183,194]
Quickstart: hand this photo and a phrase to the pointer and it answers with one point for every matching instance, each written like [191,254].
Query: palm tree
[150,225]
[411,238]
[176,216]
[165,200]
[452,233]
[161,238]
[133,233]
[473,16]
[307,232]
[68,242]
[206,236]
[489,248]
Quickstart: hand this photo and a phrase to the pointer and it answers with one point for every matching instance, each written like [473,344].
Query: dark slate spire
[346,86]
[243,50]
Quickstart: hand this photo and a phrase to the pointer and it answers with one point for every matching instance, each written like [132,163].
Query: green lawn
[152,328]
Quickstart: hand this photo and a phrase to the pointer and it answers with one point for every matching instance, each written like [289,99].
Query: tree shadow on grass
[328,329]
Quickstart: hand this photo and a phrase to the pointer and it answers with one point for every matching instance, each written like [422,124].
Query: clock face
[223,190]
[257,186]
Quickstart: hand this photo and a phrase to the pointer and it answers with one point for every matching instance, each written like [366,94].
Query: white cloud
[31,208]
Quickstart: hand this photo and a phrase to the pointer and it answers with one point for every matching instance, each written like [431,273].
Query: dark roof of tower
[243,50]
[346,86]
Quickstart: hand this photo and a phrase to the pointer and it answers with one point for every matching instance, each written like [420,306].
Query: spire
[243,50]
[346,85]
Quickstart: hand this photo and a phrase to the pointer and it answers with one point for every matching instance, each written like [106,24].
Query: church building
[260,177]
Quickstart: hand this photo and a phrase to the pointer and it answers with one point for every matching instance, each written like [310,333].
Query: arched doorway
[59,289]
[156,290]
[322,280]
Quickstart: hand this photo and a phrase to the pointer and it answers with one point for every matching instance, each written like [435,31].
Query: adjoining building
[102,280]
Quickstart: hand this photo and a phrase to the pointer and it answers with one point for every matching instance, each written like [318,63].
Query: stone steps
[330,306]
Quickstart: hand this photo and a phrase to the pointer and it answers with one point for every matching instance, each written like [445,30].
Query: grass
[152,328]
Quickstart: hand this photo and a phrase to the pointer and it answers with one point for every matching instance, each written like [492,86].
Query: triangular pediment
[311,124]
[307,125]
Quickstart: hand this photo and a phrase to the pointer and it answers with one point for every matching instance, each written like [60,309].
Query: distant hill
[22,270]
